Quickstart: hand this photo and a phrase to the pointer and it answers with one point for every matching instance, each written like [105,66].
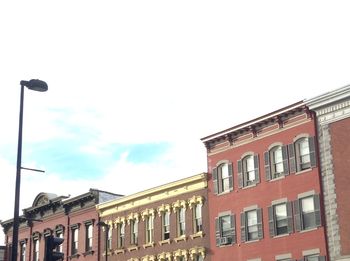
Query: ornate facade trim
[179,204]
[195,200]
[163,208]
[148,212]
[157,194]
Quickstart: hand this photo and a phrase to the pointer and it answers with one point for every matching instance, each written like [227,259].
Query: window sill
[180,238]
[163,242]
[90,252]
[119,251]
[74,256]
[249,186]
[252,241]
[133,248]
[198,234]
[303,171]
[224,192]
[148,245]
[109,253]
[308,230]
[283,235]
[278,178]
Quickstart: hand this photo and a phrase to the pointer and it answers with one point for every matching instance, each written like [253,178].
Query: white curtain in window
[307,204]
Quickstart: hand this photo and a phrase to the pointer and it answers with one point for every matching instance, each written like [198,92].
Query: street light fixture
[35,85]
[106,226]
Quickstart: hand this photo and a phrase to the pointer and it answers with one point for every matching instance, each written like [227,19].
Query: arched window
[302,154]
[222,178]
[276,162]
[248,170]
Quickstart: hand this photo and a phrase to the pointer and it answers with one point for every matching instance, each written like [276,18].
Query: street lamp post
[106,226]
[35,85]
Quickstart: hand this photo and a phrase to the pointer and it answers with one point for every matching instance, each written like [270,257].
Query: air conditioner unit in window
[223,241]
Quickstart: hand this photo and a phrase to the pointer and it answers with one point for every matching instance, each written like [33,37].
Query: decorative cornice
[119,220]
[149,258]
[181,253]
[157,194]
[328,99]
[133,216]
[179,204]
[165,256]
[163,208]
[195,200]
[333,112]
[148,212]
[253,124]
[195,251]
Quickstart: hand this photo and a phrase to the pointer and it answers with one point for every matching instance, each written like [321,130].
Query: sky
[134,85]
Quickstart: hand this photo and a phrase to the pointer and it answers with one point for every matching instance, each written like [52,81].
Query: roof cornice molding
[273,116]
[328,99]
[168,190]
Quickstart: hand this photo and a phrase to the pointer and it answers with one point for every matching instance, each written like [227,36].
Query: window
[134,231]
[121,234]
[36,249]
[198,258]
[181,221]
[75,235]
[197,216]
[88,237]
[280,219]
[109,237]
[307,212]
[314,258]
[276,162]
[59,247]
[225,230]
[222,178]
[302,154]
[23,251]
[251,225]
[149,228]
[166,225]
[248,171]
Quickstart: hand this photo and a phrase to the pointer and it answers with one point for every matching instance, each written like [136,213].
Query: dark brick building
[73,219]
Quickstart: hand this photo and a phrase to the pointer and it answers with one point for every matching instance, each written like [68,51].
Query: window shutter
[297,218]
[267,165]
[243,228]
[256,166]
[289,217]
[230,172]
[217,231]
[215,180]
[291,153]
[312,152]
[317,210]
[271,221]
[233,229]
[240,176]
[285,160]
[322,258]
[260,227]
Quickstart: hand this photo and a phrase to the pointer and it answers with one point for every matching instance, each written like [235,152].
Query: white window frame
[197,218]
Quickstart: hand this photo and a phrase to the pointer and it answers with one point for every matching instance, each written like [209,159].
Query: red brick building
[73,219]
[265,191]
[333,122]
